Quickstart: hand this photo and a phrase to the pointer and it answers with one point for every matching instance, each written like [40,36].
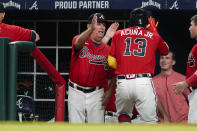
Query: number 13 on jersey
[140,42]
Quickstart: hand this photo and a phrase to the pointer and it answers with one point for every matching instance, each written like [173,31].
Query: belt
[84,89]
[110,113]
[192,88]
[133,76]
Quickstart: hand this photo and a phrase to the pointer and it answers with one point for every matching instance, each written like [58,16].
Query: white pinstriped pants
[85,107]
[138,91]
[192,116]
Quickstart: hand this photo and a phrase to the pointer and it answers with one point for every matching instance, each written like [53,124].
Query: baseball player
[15,33]
[89,73]
[191,75]
[133,56]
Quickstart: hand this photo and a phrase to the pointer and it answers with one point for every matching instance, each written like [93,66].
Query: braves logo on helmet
[25,104]
[25,108]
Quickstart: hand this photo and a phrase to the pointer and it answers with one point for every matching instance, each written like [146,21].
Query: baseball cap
[2,9]
[100,18]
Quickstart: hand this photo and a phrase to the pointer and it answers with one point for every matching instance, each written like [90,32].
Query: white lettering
[80,4]
[149,34]
[106,4]
[136,32]
[151,3]
[65,4]
[122,33]
[12,4]
[196,4]
[140,33]
[93,4]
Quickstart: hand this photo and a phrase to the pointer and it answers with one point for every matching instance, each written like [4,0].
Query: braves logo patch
[191,60]
[94,59]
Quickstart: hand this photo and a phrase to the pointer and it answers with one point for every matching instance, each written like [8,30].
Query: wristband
[191,80]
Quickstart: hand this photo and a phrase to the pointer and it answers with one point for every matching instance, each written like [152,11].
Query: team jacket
[134,49]
[16,33]
[88,66]
[176,106]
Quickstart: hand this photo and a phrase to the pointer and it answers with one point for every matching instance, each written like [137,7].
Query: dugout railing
[8,77]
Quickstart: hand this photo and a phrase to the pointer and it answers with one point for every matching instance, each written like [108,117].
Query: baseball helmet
[25,108]
[138,17]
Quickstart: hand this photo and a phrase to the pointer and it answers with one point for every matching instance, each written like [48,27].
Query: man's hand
[86,34]
[94,22]
[179,87]
[112,29]
[106,97]
[110,32]
[108,93]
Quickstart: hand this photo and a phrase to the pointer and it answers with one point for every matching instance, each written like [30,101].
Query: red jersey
[16,33]
[134,49]
[176,106]
[88,65]
[192,62]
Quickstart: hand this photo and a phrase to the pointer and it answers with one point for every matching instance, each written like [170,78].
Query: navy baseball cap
[100,18]
[2,9]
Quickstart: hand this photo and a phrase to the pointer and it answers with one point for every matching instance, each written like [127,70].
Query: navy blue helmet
[138,17]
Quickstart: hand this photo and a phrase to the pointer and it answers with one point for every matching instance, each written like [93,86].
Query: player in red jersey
[15,33]
[88,73]
[191,75]
[133,50]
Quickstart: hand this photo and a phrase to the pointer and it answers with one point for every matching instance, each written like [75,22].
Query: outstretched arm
[86,34]
[179,87]
[108,93]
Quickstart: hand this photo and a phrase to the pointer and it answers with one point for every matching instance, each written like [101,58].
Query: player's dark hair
[173,55]
[194,18]
[138,17]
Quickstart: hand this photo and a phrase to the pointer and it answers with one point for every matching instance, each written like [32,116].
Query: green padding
[3,76]
[14,48]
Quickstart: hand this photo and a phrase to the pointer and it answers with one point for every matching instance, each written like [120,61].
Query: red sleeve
[73,41]
[163,47]
[21,34]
